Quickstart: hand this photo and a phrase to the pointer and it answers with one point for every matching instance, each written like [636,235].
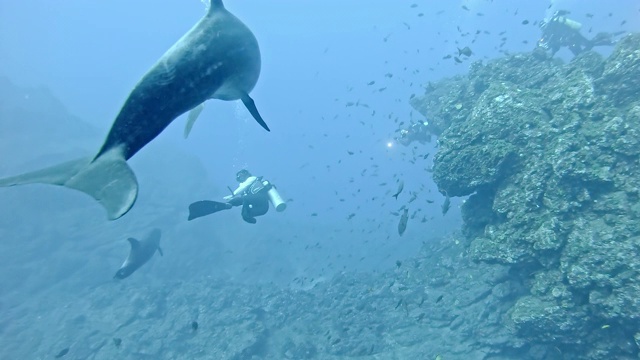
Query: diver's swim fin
[108,179]
[206,207]
[191,119]
[251,106]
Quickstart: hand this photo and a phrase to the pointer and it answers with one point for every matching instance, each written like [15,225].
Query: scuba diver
[415,132]
[253,193]
[560,31]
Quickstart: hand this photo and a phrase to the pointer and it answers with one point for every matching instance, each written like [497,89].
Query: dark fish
[117,342]
[414,6]
[589,15]
[465,51]
[402,225]
[371,83]
[447,57]
[398,304]
[400,188]
[439,298]
[351,216]
[465,7]
[446,204]
[350,152]
[314,214]
[62,353]
[398,263]
[457,60]
[194,325]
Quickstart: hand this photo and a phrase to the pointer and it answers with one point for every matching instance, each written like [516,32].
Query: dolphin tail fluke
[55,175]
[108,179]
[251,106]
[191,119]
[206,207]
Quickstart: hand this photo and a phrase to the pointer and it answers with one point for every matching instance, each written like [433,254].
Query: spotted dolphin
[141,252]
[218,58]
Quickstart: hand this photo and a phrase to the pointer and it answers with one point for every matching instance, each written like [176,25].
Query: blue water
[328,158]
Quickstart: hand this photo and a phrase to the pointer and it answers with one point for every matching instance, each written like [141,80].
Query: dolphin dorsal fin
[215,5]
[135,244]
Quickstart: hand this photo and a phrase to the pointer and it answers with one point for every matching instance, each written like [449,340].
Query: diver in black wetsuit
[561,31]
[253,193]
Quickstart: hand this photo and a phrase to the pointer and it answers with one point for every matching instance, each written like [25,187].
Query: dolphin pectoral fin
[251,106]
[110,181]
[160,251]
[135,244]
[206,207]
[193,116]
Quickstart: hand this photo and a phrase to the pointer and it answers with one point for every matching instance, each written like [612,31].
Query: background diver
[253,193]
[417,131]
[560,31]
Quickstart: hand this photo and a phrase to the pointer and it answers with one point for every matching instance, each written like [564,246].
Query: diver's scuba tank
[570,23]
[274,197]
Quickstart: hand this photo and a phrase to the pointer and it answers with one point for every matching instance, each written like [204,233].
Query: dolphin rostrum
[141,252]
[218,58]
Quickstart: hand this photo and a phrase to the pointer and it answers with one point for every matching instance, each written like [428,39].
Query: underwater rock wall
[549,154]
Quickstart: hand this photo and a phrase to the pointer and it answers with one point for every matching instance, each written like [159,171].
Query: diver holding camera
[253,193]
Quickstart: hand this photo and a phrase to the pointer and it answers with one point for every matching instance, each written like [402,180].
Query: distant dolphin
[141,252]
[218,58]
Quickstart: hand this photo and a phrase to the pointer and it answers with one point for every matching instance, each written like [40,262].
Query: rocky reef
[437,303]
[549,153]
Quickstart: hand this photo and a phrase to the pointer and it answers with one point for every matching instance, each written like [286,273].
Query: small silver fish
[402,225]
[400,188]
[446,204]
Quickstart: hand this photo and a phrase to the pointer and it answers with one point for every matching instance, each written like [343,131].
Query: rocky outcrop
[549,156]
[435,303]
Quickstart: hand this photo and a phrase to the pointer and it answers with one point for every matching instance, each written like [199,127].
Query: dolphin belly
[218,58]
